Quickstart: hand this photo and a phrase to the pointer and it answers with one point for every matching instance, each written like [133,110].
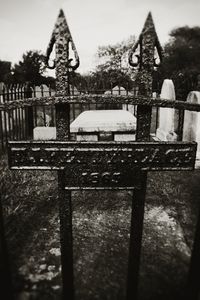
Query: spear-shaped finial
[63,63]
[62,36]
[148,40]
[149,21]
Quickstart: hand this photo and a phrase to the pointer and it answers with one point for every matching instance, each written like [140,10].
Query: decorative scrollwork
[131,53]
[48,53]
[159,51]
[148,40]
[77,61]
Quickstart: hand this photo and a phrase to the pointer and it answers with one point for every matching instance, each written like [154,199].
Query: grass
[101,222]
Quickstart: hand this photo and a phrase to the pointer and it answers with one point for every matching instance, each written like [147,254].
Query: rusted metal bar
[61,37]
[66,237]
[193,286]
[101,99]
[1,132]
[29,112]
[147,43]
[29,122]
[5,273]
[136,232]
[180,124]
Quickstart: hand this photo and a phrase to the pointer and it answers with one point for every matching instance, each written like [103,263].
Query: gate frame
[147,42]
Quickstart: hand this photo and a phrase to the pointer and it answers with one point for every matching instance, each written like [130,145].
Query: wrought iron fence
[18,123]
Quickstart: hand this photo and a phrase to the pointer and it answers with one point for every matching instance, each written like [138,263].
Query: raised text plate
[100,164]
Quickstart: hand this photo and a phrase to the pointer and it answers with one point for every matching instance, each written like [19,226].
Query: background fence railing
[18,123]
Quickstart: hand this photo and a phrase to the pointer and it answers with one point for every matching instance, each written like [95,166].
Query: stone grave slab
[89,124]
[44,133]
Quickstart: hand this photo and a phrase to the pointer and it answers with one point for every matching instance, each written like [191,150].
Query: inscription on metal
[59,155]
[101,177]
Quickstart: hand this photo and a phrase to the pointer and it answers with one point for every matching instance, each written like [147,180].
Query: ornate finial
[62,38]
[147,43]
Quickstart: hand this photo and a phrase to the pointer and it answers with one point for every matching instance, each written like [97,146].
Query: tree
[30,68]
[5,71]
[182,59]
[113,68]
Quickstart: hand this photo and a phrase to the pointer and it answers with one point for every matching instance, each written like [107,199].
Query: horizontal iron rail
[101,99]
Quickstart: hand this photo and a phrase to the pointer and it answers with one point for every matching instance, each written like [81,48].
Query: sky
[28,24]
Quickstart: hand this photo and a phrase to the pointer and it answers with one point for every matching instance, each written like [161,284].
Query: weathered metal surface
[5,271]
[62,39]
[62,121]
[101,99]
[193,287]
[59,155]
[147,42]
[101,177]
[66,238]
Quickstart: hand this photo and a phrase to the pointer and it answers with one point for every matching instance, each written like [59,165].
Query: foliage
[30,68]
[5,71]
[113,68]
[182,59]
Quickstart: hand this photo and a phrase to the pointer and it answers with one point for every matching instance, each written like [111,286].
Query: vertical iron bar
[9,126]
[147,42]
[12,124]
[193,288]
[35,115]
[180,124]
[17,123]
[1,131]
[29,114]
[62,37]
[5,128]
[137,216]
[5,274]
[66,238]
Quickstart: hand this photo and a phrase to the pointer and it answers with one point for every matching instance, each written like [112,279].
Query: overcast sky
[28,24]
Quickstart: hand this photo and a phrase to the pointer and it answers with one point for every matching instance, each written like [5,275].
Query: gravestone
[44,133]
[191,127]
[38,93]
[167,116]
[117,90]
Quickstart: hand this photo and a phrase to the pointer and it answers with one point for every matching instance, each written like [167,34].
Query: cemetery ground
[101,222]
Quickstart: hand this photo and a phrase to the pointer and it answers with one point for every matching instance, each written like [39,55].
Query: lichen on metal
[102,156]
[101,99]
[147,43]
[62,38]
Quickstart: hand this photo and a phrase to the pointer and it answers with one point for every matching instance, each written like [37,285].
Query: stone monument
[167,116]
[191,127]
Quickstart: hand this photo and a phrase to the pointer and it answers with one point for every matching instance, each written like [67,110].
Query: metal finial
[148,39]
[62,38]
